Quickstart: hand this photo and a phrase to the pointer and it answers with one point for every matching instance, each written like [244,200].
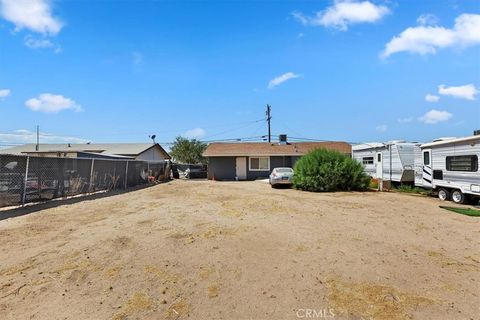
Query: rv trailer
[449,166]
[392,161]
[366,154]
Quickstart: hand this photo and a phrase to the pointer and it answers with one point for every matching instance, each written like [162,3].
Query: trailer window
[367,160]
[462,163]
[426,158]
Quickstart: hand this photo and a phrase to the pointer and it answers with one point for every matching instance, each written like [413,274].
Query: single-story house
[252,160]
[133,151]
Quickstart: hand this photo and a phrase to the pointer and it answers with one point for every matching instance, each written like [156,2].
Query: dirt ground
[241,250]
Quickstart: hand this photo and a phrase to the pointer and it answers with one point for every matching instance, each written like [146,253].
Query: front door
[427,168]
[241,168]
[379,165]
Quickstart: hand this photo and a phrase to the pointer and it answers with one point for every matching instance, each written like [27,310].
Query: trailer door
[427,168]
[379,166]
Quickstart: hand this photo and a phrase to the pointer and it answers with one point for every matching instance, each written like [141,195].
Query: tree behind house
[188,150]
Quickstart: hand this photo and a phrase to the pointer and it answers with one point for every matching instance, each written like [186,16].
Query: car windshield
[284,170]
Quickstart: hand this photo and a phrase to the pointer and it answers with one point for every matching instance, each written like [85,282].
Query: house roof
[132,149]
[219,149]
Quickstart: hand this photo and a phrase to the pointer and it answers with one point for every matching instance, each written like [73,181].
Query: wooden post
[91,176]
[126,175]
[25,182]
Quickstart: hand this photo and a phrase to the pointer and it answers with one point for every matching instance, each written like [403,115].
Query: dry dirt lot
[241,250]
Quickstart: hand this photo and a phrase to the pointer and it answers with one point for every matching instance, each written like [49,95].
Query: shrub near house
[324,170]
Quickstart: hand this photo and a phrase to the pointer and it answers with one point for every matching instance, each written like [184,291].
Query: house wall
[152,154]
[224,168]
[275,161]
[221,168]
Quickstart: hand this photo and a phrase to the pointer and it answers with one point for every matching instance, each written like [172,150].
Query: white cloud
[467,91]
[26,136]
[427,20]
[344,13]
[426,39]
[52,103]
[431,98]
[381,128]
[195,133]
[405,120]
[4,93]
[281,79]
[35,15]
[41,43]
[434,116]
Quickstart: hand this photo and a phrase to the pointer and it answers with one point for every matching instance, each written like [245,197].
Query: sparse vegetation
[466,211]
[412,189]
[324,170]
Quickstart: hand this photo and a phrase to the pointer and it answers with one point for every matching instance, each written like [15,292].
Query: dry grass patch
[139,302]
[373,301]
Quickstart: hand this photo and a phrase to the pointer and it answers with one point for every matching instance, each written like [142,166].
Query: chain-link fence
[26,179]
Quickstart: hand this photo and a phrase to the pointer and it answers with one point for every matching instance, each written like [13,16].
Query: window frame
[429,158]
[370,161]
[474,163]
[258,157]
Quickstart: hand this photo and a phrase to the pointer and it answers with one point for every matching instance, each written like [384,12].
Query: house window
[462,163]
[367,160]
[259,163]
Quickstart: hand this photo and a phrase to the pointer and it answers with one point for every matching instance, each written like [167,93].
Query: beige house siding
[152,154]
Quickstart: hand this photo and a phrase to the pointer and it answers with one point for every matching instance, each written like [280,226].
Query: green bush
[327,170]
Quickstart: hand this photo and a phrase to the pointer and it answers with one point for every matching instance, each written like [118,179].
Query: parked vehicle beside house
[196,171]
[281,176]
[450,168]
[392,161]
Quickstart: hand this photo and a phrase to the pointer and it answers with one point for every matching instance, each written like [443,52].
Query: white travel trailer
[392,161]
[366,154]
[449,166]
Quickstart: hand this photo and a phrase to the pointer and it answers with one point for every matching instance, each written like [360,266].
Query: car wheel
[458,196]
[443,194]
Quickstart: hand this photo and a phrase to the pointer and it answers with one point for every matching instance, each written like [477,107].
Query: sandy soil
[241,250]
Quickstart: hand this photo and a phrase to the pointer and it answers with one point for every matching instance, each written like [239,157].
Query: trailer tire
[458,196]
[443,194]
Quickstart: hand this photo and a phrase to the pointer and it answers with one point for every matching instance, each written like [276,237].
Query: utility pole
[268,123]
[38,138]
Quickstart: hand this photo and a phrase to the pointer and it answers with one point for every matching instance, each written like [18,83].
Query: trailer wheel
[443,194]
[458,196]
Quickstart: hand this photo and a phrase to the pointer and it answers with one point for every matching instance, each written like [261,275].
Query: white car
[281,176]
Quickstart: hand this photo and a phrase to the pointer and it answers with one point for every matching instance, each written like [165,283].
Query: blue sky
[115,71]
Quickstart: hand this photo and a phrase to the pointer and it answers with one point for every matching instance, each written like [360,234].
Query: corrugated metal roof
[219,149]
[103,148]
